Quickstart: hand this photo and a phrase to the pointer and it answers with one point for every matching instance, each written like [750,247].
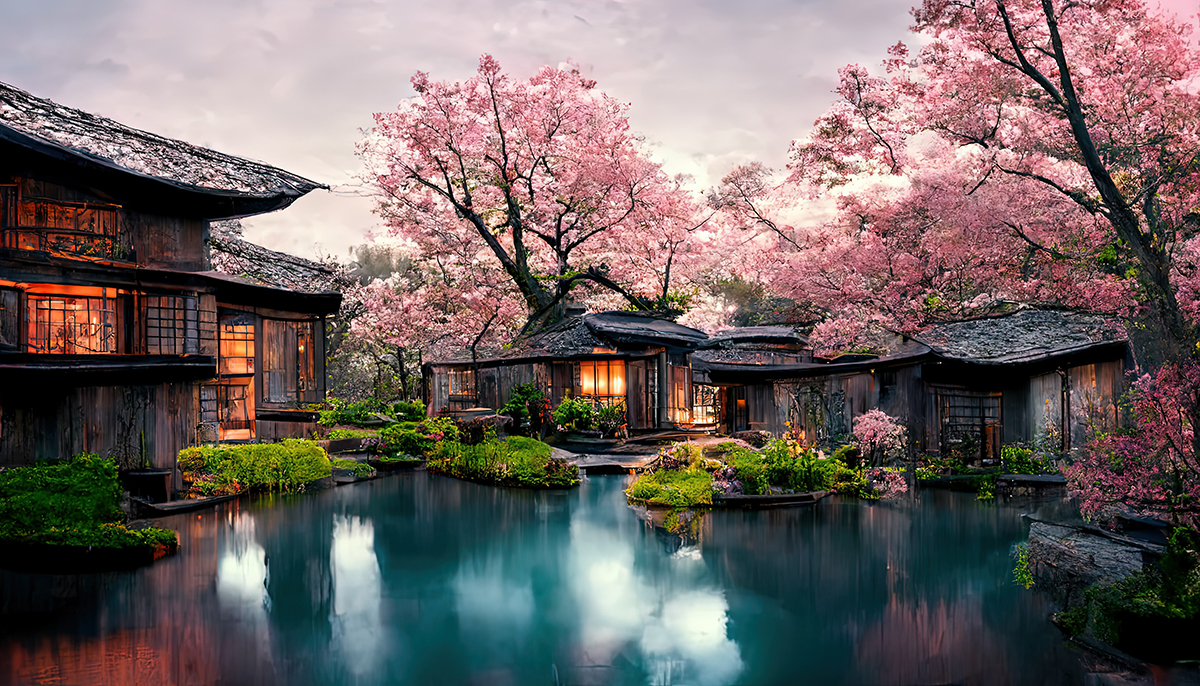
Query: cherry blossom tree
[539,181]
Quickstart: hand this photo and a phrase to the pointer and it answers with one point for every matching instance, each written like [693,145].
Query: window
[681,387]
[288,362]
[89,229]
[175,324]
[79,324]
[706,407]
[462,388]
[603,380]
[236,344]
[10,319]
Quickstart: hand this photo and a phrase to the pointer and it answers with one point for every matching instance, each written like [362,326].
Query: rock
[1079,556]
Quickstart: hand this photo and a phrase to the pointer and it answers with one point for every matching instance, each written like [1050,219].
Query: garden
[69,513]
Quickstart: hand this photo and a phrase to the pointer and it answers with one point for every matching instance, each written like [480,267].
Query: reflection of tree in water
[676,528]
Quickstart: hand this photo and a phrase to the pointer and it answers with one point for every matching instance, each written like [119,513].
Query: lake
[420,579]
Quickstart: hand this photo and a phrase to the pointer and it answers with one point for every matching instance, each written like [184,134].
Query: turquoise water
[419,579]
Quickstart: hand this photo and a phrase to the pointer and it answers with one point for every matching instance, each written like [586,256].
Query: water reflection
[418,579]
[356,626]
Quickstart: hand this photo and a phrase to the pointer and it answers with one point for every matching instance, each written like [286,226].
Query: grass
[75,503]
[675,488]
[224,469]
[339,434]
[512,461]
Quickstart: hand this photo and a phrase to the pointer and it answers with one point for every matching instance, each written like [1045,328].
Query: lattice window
[229,405]
[602,381]
[236,344]
[72,324]
[462,387]
[10,319]
[176,325]
[89,229]
[706,404]
[971,424]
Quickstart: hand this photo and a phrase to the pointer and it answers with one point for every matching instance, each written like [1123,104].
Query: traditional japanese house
[608,357]
[116,336]
[1029,375]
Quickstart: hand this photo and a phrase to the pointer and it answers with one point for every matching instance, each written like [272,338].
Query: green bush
[70,503]
[409,411]
[574,414]
[520,399]
[675,488]
[512,461]
[785,465]
[360,469]
[1018,460]
[419,439]
[345,412]
[611,419]
[284,466]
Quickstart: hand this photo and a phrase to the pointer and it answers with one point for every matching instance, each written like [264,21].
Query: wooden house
[607,357]
[116,335]
[1022,377]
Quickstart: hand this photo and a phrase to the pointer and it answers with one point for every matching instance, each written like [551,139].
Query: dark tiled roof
[779,335]
[1022,336]
[233,255]
[29,120]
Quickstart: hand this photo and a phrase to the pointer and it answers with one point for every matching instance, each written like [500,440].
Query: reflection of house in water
[116,336]
[608,357]
[977,384]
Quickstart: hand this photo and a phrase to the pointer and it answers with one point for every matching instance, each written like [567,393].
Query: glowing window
[80,324]
[236,336]
[602,378]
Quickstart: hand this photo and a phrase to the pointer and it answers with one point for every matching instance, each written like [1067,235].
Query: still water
[419,579]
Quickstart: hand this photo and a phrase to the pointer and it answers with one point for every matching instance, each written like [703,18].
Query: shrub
[574,414]
[361,470]
[339,434]
[409,411]
[70,503]
[287,466]
[611,420]
[345,412]
[524,406]
[512,461]
[409,438]
[1018,460]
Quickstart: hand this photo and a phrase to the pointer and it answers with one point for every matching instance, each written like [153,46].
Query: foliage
[1022,573]
[880,437]
[512,461]
[352,413]
[361,470]
[612,419]
[1151,468]
[985,487]
[339,434]
[1169,590]
[1018,460]
[409,411]
[418,439]
[74,502]
[574,414]
[886,482]
[524,403]
[532,186]
[674,487]
[285,466]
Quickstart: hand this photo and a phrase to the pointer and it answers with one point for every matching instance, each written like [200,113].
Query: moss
[361,470]
[513,461]
[339,434]
[75,502]
[674,488]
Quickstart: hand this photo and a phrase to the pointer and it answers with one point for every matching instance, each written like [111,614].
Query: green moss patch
[513,461]
[225,469]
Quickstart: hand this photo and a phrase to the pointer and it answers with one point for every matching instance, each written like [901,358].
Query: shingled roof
[1021,336]
[83,139]
[598,333]
[233,255]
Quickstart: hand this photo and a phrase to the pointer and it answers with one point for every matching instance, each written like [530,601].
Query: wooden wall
[269,432]
[125,422]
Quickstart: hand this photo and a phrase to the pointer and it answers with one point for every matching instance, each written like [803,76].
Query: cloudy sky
[292,82]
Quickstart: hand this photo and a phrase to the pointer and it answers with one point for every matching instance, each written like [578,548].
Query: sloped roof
[777,335]
[1021,336]
[594,334]
[69,134]
[231,254]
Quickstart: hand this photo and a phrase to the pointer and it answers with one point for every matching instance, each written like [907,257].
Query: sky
[711,83]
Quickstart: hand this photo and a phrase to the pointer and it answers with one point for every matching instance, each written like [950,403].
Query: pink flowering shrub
[1153,468]
[880,437]
[887,484]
